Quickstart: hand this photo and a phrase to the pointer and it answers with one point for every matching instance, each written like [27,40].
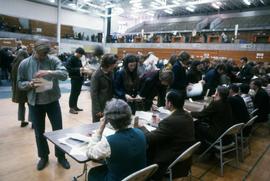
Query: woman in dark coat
[126,82]
[19,96]
[102,85]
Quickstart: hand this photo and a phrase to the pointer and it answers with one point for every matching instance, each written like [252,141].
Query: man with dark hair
[102,86]
[261,100]
[215,118]
[155,84]
[239,109]
[173,136]
[245,74]
[75,70]
[212,78]
[41,101]
[179,70]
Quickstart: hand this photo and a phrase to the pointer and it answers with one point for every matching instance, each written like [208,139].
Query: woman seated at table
[215,119]
[124,151]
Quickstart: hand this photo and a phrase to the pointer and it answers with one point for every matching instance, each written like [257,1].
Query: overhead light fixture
[169,11]
[72,5]
[134,1]
[161,2]
[150,13]
[154,5]
[215,5]
[262,1]
[118,11]
[247,2]
[191,8]
[51,1]
[138,5]
[177,2]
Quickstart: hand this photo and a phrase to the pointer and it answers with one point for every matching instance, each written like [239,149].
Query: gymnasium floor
[18,155]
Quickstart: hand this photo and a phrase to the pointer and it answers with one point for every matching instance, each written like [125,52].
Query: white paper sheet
[44,85]
[149,128]
[196,90]
[164,110]
[194,106]
[145,116]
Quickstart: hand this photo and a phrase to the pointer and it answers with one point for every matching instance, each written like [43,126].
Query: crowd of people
[120,87]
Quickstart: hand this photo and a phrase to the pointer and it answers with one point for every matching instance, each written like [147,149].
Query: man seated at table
[244,90]
[261,100]
[173,136]
[124,151]
[239,109]
[215,119]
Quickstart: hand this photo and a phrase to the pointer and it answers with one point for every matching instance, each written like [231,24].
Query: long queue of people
[119,88]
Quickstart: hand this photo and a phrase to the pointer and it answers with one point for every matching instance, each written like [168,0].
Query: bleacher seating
[245,22]
[159,27]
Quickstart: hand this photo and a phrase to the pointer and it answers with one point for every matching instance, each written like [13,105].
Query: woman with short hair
[124,151]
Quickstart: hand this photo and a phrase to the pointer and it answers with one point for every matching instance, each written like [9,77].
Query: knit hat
[41,46]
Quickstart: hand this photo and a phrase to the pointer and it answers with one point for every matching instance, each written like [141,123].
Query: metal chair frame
[137,175]
[245,140]
[253,112]
[184,156]
[233,130]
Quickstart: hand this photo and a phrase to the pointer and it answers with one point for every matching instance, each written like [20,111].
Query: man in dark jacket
[74,67]
[261,100]
[245,74]
[155,84]
[179,70]
[212,78]
[215,119]
[172,137]
[239,109]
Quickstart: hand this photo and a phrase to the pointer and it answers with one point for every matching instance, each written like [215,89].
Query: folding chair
[143,174]
[253,112]
[245,139]
[224,149]
[184,156]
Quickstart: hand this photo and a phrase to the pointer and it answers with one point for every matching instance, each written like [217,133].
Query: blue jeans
[38,114]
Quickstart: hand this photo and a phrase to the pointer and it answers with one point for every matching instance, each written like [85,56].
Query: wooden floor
[18,154]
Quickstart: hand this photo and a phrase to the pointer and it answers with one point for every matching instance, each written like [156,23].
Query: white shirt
[98,147]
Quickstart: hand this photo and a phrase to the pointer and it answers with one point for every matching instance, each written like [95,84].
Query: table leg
[83,173]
